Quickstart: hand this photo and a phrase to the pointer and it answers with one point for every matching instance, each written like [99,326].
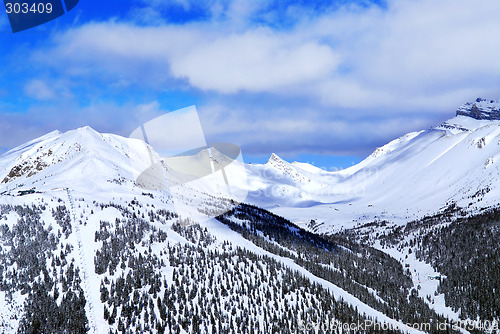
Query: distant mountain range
[99,234]
[415,175]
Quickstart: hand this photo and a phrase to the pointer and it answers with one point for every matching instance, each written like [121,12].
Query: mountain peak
[286,168]
[86,130]
[481,109]
[274,158]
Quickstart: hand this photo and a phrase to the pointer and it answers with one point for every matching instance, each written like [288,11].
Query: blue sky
[323,82]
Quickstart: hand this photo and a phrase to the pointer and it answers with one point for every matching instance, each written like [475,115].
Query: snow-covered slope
[82,159]
[108,166]
[417,174]
[85,216]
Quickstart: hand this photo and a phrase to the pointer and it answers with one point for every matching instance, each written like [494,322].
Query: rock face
[481,109]
[286,168]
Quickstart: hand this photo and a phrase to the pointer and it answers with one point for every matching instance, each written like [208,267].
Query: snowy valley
[406,241]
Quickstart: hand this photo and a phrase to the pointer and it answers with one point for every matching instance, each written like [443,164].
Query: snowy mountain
[82,159]
[415,175]
[99,233]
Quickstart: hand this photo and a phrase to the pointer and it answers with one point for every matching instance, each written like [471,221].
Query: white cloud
[255,61]
[349,57]
[389,70]
[39,90]
[436,44]
[302,129]
[412,51]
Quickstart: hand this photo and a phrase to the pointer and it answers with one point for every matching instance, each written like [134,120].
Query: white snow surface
[417,174]
[412,176]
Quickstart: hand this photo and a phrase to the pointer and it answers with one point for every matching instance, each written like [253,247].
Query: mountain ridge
[85,249]
[411,176]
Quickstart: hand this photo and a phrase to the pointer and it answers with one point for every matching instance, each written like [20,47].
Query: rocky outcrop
[481,109]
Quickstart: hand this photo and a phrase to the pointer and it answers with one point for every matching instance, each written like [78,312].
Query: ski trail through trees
[76,228]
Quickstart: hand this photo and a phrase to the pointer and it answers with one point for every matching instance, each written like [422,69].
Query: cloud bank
[336,79]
